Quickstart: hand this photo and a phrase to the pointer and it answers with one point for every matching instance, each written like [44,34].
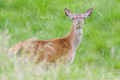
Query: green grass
[98,56]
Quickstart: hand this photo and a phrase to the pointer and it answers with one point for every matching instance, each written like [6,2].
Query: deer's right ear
[68,12]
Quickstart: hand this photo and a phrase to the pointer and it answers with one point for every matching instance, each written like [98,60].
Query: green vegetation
[98,56]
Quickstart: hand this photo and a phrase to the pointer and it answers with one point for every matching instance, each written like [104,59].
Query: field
[98,56]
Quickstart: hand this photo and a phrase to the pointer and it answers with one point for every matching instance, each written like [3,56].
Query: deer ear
[68,12]
[88,12]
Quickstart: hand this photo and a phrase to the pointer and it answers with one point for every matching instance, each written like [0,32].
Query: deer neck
[75,37]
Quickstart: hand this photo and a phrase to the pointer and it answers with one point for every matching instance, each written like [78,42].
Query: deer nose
[79,21]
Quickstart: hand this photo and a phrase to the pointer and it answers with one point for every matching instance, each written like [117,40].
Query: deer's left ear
[88,12]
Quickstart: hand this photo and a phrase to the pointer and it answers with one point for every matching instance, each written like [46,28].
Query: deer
[58,50]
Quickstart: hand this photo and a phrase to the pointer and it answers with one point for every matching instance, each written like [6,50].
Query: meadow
[98,56]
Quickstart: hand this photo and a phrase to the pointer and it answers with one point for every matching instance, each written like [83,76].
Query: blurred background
[98,56]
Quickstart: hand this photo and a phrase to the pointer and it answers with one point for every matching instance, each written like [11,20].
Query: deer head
[78,19]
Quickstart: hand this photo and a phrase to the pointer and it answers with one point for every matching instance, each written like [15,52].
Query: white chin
[79,26]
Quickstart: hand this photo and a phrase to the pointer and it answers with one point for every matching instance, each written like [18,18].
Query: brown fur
[55,50]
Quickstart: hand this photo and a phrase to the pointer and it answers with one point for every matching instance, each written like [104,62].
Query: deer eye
[72,18]
[83,18]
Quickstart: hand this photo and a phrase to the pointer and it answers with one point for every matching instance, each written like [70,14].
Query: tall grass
[98,56]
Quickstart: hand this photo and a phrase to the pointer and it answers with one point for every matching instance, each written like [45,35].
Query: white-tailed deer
[60,50]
